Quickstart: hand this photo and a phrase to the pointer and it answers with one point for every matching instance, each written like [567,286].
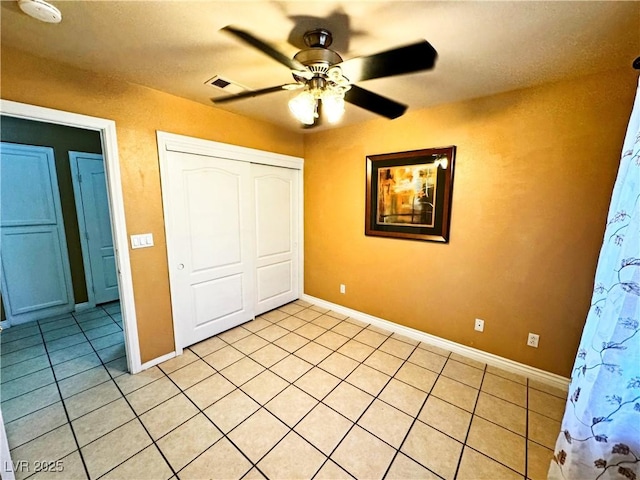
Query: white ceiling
[484,47]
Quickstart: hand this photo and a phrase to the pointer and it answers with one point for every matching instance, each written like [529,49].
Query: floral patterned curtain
[600,437]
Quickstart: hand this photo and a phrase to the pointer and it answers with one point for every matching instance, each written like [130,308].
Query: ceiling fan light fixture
[326,78]
[333,105]
[304,107]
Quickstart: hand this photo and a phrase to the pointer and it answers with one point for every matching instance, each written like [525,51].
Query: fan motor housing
[311,56]
[318,58]
[320,37]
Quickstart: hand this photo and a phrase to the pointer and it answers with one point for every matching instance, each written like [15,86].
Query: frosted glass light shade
[303,107]
[333,106]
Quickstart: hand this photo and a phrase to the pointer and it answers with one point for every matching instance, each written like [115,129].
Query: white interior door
[209,231]
[94,221]
[275,195]
[36,277]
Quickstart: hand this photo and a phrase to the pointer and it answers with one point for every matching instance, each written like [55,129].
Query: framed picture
[409,194]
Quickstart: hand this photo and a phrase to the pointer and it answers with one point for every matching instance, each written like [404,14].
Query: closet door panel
[35,277]
[275,191]
[210,244]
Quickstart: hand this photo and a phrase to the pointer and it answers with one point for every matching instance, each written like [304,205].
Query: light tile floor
[300,392]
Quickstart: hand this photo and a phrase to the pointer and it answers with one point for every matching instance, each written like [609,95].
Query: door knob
[180,266]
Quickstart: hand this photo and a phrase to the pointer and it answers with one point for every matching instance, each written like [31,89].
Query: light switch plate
[143,240]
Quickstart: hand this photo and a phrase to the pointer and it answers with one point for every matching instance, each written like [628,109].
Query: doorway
[45,268]
[107,134]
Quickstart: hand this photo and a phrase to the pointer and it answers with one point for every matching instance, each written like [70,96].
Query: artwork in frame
[409,194]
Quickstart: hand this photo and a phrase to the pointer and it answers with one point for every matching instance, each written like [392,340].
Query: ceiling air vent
[226,85]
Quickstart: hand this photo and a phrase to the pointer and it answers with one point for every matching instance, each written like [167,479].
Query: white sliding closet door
[275,194]
[210,256]
[232,218]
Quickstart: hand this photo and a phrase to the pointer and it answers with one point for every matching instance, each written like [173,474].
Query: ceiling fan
[327,81]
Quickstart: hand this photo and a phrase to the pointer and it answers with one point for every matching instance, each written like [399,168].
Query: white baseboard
[156,361]
[533,373]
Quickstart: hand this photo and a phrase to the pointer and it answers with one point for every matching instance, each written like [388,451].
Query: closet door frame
[170,142]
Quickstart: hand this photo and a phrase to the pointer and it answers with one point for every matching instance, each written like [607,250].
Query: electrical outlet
[479,326]
[343,288]
[533,339]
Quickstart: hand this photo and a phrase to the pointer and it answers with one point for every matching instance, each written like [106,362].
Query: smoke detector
[40,10]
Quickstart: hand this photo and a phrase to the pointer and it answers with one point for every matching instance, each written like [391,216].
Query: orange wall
[533,179]
[138,113]
[534,173]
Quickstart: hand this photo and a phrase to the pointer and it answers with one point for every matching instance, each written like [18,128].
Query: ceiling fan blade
[374,103]
[408,59]
[265,48]
[255,93]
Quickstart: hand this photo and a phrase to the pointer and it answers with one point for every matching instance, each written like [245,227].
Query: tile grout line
[314,364]
[224,435]
[62,399]
[415,419]
[289,353]
[136,417]
[64,406]
[319,401]
[291,429]
[261,406]
[473,413]
[292,353]
[376,397]
[56,381]
[26,375]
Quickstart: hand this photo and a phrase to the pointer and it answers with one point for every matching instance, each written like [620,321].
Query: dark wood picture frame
[409,194]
